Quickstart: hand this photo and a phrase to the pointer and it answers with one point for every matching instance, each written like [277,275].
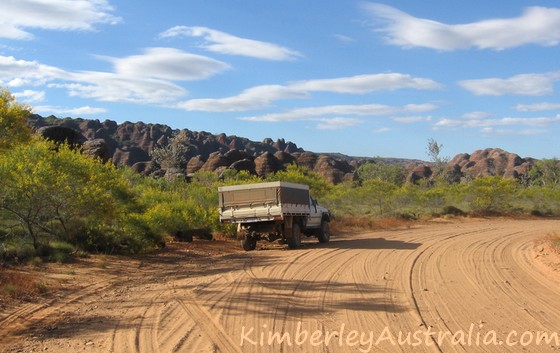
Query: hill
[135,145]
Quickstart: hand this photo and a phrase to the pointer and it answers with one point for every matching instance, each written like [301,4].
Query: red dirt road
[460,286]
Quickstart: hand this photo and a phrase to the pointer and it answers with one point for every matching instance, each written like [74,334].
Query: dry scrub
[361,223]
[19,285]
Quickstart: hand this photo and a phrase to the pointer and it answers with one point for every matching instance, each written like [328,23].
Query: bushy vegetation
[56,201]
[485,196]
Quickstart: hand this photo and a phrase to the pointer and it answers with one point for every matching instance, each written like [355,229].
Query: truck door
[314,219]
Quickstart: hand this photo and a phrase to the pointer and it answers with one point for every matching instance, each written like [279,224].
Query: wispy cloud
[477,115]
[339,116]
[111,87]
[337,123]
[86,110]
[536,25]
[344,38]
[30,96]
[381,130]
[18,16]
[167,64]
[19,73]
[487,124]
[250,99]
[147,78]
[361,84]
[524,84]
[224,43]
[537,107]
[312,113]
[411,119]
[523,132]
[263,96]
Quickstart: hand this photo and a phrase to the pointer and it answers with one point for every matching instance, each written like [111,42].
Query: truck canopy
[262,201]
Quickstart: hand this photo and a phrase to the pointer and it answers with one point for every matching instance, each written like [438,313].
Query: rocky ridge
[131,144]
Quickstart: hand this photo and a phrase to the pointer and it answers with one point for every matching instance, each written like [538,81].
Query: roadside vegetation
[56,203]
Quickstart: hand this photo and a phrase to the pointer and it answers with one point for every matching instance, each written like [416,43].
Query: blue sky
[356,77]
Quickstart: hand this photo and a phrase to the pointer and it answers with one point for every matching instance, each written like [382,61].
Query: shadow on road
[367,244]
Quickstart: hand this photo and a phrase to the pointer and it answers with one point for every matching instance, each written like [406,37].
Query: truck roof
[263,185]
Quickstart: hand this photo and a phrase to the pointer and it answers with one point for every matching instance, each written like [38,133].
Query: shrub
[56,191]
[10,290]
[13,119]
[61,251]
[391,173]
[318,185]
[491,195]
[17,250]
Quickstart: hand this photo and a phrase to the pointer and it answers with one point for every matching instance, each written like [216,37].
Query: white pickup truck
[272,211]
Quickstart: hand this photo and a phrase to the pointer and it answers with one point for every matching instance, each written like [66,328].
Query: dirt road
[469,286]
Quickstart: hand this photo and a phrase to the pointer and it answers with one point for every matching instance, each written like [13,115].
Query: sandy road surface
[451,287]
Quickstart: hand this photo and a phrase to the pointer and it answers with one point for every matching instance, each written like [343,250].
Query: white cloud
[30,96]
[314,112]
[341,112]
[524,132]
[537,107]
[420,108]
[224,43]
[18,73]
[477,115]
[320,114]
[111,87]
[337,123]
[147,78]
[524,84]
[252,98]
[367,83]
[16,16]
[381,130]
[411,119]
[263,96]
[86,110]
[343,38]
[489,123]
[168,64]
[536,25]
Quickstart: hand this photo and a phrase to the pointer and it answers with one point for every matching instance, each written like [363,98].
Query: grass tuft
[10,290]
[19,285]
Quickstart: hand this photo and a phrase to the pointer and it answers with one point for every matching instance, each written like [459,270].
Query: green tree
[170,156]
[371,197]
[13,119]
[56,192]
[433,150]
[545,172]
[441,171]
[391,173]
[318,185]
[232,177]
[539,200]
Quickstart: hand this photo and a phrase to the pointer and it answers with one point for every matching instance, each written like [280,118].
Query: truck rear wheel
[294,241]
[249,243]
[323,233]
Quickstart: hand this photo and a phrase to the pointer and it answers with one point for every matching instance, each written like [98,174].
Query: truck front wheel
[294,241]
[249,243]
[323,233]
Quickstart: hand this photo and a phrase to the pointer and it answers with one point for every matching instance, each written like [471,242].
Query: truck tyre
[249,243]
[294,241]
[323,233]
